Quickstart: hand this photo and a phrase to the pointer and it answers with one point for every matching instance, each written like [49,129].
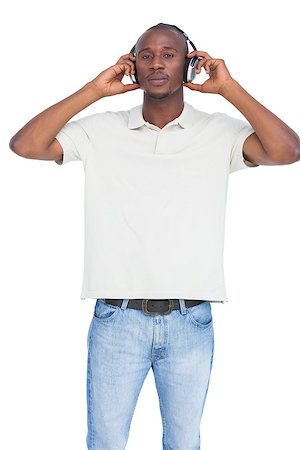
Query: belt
[153,307]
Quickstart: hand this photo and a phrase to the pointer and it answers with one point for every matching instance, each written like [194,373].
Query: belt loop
[124,303]
[182,306]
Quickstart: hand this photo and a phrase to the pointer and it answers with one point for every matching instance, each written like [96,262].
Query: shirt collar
[185,120]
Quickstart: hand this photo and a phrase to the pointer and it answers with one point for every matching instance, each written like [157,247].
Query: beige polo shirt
[155,201]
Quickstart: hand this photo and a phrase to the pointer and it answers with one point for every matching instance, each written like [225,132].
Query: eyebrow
[148,48]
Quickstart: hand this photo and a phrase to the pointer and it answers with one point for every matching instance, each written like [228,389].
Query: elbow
[287,155]
[290,153]
[13,144]
[295,151]
[294,157]
[16,146]
[290,157]
[298,150]
[295,145]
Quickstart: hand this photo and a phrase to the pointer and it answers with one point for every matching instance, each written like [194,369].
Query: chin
[158,95]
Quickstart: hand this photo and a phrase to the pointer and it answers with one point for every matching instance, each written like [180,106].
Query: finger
[124,59]
[208,63]
[127,56]
[202,56]
[122,68]
[131,64]
[200,64]
[199,53]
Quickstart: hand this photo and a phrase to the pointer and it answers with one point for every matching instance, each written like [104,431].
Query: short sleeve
[74,141]
[241,130]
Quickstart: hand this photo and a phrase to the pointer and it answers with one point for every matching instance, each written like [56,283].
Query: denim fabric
[123,344]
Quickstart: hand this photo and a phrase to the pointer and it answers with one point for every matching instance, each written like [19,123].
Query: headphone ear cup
[133,76]
[185,69]
[191,69]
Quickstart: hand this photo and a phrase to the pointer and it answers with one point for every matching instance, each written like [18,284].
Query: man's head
[160,60]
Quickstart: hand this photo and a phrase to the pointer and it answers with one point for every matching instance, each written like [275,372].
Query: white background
[50,50]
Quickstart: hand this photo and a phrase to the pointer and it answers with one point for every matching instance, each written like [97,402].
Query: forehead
[161,37]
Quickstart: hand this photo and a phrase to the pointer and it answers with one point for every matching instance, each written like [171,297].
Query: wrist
[228,87]
[93,91]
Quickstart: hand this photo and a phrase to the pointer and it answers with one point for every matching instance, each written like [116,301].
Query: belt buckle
[154,313]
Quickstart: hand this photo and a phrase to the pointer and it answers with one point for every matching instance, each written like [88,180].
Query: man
[156,179]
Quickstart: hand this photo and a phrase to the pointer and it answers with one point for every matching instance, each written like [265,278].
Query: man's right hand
[109,82]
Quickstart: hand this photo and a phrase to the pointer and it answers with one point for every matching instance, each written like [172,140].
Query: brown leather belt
[153,306]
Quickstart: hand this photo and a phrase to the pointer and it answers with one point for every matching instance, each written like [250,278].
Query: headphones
[190,65]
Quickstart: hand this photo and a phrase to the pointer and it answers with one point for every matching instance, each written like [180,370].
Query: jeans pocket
[105,312]
[200,315]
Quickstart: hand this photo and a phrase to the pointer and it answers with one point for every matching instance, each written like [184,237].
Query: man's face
[160,62]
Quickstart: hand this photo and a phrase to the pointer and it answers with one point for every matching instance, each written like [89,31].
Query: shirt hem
[209,298]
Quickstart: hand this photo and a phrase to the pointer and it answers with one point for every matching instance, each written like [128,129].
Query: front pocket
[104,311]
[200,315]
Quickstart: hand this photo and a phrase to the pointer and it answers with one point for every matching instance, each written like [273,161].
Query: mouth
[157,80]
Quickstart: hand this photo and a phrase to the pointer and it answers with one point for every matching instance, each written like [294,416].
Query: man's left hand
[219,76]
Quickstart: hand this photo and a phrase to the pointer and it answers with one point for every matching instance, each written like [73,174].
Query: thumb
[193,86]
[131,87]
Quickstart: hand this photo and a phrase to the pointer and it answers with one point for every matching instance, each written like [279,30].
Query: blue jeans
[123,344]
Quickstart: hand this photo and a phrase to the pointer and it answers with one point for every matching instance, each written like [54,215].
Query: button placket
[161,140]
[161,143]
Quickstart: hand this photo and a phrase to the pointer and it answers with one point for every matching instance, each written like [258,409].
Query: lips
[157,79]
[157,76]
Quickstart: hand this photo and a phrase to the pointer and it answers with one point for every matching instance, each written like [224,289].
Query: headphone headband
[174,26]
[177,28]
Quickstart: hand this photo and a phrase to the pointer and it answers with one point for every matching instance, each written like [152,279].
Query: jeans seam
[211,362]
[163,420]
[90,403]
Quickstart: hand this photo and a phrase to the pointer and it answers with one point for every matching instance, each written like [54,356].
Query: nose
[157,62]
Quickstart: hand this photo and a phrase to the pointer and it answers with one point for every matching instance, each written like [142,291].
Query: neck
[160,111]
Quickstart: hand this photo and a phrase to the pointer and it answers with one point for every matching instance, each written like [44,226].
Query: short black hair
[170,27]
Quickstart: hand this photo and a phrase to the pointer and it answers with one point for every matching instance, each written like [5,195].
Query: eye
[169,54]
[145,56]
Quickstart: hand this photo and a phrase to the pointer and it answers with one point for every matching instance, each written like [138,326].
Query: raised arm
[273,142]
[36,140]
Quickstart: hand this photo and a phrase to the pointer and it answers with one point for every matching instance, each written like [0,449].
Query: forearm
[40,131]
[275,136]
